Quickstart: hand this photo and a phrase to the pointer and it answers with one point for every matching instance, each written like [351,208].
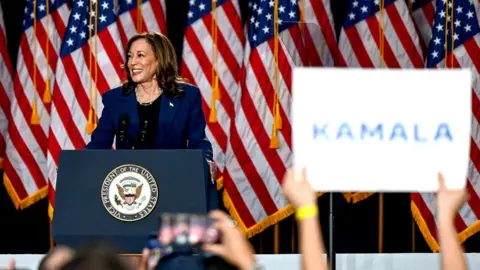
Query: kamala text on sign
[382,132]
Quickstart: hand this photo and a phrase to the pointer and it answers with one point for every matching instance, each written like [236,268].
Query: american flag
[6,87]
[213,54]
[151,16]
[92,54]
[423,12]
[376,30]
[455,44]
[362,44]
[25,164]
[320,37]
[260,149]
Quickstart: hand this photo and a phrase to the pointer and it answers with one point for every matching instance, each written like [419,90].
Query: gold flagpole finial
[47,96]
[215,80]
[139,16]
[35,118]
[277,120]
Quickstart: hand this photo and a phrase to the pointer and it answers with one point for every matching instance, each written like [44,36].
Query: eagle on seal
[129,198]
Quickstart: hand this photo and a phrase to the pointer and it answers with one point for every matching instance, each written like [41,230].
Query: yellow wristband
[305,212]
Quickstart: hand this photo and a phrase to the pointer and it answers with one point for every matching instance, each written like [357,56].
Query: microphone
[142,134]
[124,122]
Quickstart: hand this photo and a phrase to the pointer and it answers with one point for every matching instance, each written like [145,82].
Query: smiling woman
[154,108]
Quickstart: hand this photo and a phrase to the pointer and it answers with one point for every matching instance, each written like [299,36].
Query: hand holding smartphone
[191,229]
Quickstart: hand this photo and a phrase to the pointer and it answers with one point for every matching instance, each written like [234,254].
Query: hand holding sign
[449,201]
[297,189]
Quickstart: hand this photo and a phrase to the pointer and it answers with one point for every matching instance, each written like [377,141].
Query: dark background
[356,225]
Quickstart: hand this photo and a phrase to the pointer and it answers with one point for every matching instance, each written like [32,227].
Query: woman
[153,109]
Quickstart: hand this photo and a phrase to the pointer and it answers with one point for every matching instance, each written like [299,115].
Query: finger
[144,258]
[216,249]
[300,176]
[304,173]
[11,264]
[305,178]
[218,215]
[466,195]
[441,181]
[222,225]
[287,178]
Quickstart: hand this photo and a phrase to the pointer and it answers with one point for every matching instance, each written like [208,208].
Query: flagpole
[276,240]
[52,242]
[413,235]
[380,223]
[331,250]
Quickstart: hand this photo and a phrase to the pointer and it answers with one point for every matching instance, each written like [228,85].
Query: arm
[311,243]
[102,136]
[451,252]
[197,139]
[449,203]
[299,193]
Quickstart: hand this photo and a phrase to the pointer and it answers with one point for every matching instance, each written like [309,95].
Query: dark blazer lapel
[168,108]
[129,106]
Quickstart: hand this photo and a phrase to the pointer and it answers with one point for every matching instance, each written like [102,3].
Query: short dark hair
[96,256]
[167,72]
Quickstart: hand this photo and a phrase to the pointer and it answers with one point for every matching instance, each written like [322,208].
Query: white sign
[382,130]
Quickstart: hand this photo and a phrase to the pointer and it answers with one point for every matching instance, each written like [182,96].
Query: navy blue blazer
[181,124]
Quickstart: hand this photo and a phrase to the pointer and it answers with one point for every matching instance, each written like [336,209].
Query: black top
[148,121]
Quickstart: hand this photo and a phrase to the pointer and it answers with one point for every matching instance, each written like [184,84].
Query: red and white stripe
[254,172]
[321,40]
[153,14]
[423,18]
[425,204]
[72,95]
[26,147]
[360,46]
[360,43]
[6,87]
[196,66]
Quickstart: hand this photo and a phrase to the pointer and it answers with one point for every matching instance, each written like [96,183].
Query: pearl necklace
[158,93]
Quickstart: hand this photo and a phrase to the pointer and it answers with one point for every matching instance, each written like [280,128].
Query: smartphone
[191,229]
[212,235]
[196,229]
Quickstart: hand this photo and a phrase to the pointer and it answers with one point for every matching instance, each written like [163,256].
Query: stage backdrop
[356,225]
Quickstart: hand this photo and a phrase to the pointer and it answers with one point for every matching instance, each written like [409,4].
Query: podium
[117,196]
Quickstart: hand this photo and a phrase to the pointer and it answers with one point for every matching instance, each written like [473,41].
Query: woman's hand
[297,189]
[213,170]
[11,264]
[234,248]
[449,202]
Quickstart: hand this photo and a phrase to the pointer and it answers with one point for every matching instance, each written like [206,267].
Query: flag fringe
[265,223]
[355,197]
[422,225]
[260,226]
[50,211]
[23,203]
[431,241]
[219,182]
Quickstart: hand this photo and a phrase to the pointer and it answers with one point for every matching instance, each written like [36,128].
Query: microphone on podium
[124,123]
[142,135]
